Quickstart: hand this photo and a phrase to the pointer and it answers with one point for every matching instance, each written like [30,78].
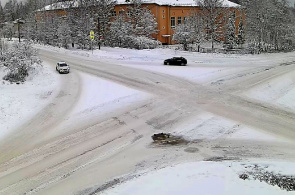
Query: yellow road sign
[92,35]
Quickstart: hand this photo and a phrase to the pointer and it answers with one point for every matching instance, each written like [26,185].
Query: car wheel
[168,63]
[182,64]
[56,68]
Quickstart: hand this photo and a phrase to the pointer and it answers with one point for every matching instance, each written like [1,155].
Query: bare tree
[212,12]
[269,24]
[183,35]
[191,31]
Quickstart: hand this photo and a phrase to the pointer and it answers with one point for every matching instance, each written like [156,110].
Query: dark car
[176,61]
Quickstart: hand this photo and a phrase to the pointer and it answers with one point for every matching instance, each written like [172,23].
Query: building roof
[226,3]
[188,3]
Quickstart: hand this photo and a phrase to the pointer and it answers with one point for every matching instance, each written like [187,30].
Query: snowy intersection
[228,106]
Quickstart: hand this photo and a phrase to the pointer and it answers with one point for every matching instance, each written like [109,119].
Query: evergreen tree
[120,28]
[1,15]
[142,20]
[230,34]
[241,32]
[64,34]
[102,15]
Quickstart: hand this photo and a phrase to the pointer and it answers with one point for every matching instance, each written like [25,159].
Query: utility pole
[98,29]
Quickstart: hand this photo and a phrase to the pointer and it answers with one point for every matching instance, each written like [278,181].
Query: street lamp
[18,22]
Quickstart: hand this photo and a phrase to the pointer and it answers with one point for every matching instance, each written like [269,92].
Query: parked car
[176,61]
[62,67]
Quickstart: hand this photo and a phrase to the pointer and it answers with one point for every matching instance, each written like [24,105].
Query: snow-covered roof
[226,3]
[75,3]
[61,5]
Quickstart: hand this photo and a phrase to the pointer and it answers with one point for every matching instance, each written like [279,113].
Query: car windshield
[63,65]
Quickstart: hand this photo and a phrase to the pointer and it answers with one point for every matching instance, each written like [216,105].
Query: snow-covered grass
[156,56]
[203,178]
[19,102]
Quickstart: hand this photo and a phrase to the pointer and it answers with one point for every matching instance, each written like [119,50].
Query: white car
[62,67]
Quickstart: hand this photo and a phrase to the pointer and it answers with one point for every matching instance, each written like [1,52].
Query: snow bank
[19,103]
[212,178]
[101,96]
[279,91]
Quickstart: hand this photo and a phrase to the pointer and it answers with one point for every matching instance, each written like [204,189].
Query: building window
[114,13]
[234,15]
[163,16]
[129,13]
[121,13]
[184,20]
[163,11]
[172,22]
[163,27]
[178,20]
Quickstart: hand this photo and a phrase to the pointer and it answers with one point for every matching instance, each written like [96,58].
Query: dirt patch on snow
[284,182]
[168,139]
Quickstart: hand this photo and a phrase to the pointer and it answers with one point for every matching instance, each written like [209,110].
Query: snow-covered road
[77,143]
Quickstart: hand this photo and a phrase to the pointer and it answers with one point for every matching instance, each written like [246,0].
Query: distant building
[168,13]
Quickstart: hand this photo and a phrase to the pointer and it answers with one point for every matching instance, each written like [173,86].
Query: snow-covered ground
[100,97]
[20,102]
[204,178]
[279,91]
[210,127]
[202,68]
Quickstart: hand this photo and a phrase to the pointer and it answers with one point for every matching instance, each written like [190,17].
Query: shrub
[19,59]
